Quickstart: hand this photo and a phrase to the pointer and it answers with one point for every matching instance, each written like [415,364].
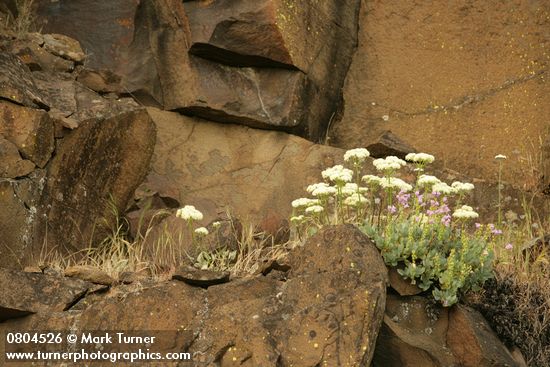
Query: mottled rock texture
[254,173]
[327,313]
[417,332]
[274,64]
[463,80]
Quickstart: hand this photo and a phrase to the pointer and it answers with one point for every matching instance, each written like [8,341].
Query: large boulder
[269,64]
[16,83]
[25,293]
[93,176]
[253,173]
[327,313]
[69,157]
[444,76]
[417,332]
[29,129]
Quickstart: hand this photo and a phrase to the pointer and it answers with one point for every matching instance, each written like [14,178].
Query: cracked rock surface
[464,82]
[327,312]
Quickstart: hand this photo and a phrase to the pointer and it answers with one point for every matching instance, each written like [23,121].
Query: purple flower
[443,210]
[434,203]
[444,199]
[446,220]
[430,212]
[478,225]
[509,246]
[392,209]
[496,231]
[403,199]
[419,197]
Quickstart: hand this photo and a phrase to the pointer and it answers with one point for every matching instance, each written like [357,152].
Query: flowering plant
[411,224]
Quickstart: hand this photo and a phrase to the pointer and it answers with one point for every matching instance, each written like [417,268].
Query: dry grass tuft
[517,302]
[118,253]
[26,19]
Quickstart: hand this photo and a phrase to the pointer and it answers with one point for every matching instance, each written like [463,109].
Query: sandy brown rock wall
[464,80]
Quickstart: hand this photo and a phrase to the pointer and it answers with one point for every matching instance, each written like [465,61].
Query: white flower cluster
[371,179]
[356,155]
[390,163]
[352,188]
[321,189]
[427,180]
[338,174]
[304,202]
[189,212]
[394,182]
[201,231]
[443,188]
[420,157]
[500,157]
[314,209]
[355,200]
[462,186]
[465,212]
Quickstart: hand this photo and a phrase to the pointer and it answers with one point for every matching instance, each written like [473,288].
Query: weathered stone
[273,98]
[317,38]
[15,226]
[414,332]
[102,81]
[95,170]
[200,278]
[91,105]
[105,46]
[24,293]
[58,90]
[402,286]
[29,50]
[253,173]
[63,46]
[89,273]
[16,83]
[465,83]
[326,315]
[389,144]
[472,341]
[151,58]
[33,269]
[11,163]
[417,332]
[32,131]
[128,277]
[332,294]
[170,311]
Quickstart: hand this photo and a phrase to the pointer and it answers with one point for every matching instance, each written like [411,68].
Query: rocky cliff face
[269,64]
[223,104]
[465,81]
[69,156]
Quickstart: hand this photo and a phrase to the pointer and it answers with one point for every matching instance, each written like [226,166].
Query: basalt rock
[17,84]
[417,332]
[254,173]
[327,312]
[11,163]
[31,130]
[272,64]
[25,293]
[464,83]
[95,171]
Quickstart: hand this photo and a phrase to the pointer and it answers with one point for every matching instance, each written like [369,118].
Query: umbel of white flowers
[189,212]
